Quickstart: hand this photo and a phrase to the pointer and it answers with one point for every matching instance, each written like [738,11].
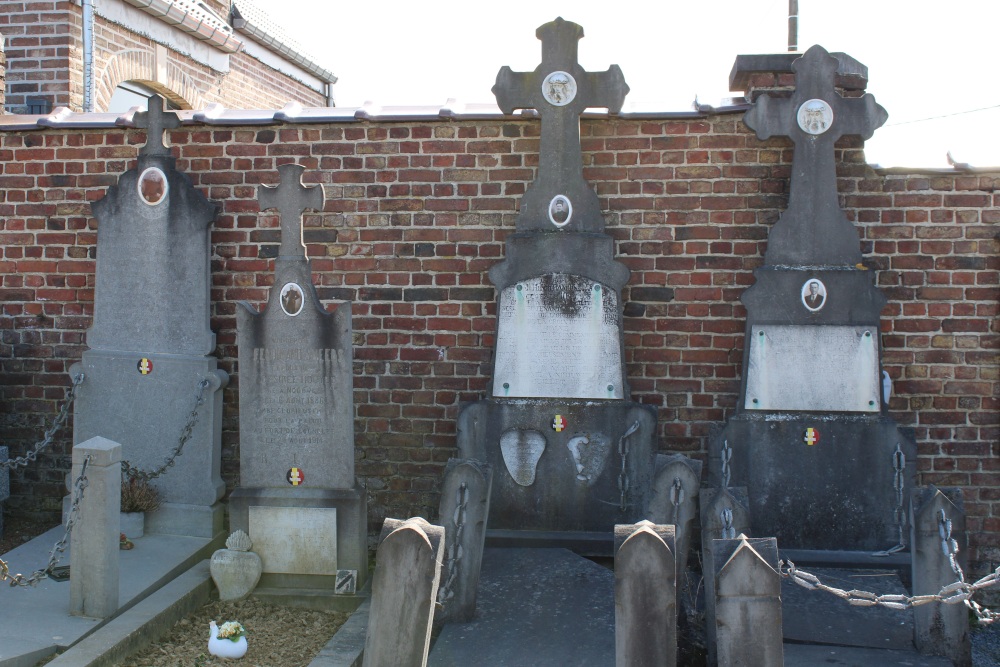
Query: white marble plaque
[295,540]
[558,337]
[813,369]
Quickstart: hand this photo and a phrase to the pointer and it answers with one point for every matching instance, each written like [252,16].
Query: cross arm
[607,89]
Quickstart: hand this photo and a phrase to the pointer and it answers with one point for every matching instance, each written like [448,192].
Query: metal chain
[728,530]
[727,455]
[129,471]
[899,516]
[623,481]
[46,440]
[55,555]
[446,593]
[676,498]
[960,591]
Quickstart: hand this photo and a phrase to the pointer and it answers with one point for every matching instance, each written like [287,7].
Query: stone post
[939,629]
[464,509]
[717,524]
[4,483]
[747,603]
[407,571]
[645,595]
[93,583]
[676,486]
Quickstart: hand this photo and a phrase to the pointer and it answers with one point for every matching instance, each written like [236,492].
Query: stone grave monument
[4,483]
[298,498]
[569,450]
[824,464]
[149,383]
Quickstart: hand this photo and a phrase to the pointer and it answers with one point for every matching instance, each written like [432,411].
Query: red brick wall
[416,213]
[45,59]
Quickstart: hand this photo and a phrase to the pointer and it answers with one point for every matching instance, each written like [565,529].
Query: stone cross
[560,90]
[291,198]
[155,120]
[814,231]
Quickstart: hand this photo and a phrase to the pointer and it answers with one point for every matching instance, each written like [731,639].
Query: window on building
[134,94]
[38,105]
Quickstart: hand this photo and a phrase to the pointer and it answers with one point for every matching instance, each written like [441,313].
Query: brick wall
[416,213]
[45,59]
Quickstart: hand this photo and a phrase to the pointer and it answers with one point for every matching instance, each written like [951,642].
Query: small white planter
[133,524]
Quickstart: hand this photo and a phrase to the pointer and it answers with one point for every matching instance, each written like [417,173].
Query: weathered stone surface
[93,585]
[295,540]
[676,486]
[464,510]
[4,484]
[404,589]
[645,595]
[566,616]
[716,524]
[748,602]
[569,491]
[837,493]
[235,573]
[937,527]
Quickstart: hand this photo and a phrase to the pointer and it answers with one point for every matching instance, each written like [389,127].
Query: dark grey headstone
[569,451]
[4,484]
[147,363]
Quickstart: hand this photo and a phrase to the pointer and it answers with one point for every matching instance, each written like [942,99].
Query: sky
[930,64]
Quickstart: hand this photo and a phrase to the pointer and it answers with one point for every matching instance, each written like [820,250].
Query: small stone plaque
[813,368]
[295,540]
[559,337]
[347,582]
[815,116]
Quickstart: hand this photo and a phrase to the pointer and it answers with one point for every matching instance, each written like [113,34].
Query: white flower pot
[225,648]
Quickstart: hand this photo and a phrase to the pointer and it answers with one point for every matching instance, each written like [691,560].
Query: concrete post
[645,595]
[717,524]
[939,629]
[676,486]
[407,571]
[748,602]
[464,509]
[93,583]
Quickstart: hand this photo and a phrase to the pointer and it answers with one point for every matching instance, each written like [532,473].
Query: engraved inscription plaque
[813,368]
[295,540]
[558,337]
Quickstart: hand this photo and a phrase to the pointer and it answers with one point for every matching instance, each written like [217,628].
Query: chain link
[953,593]
[129,471]
[46,440]
[728,530]
[55,555]
[899,514]
[623,481]
[677,498]
[727,455]
[456,552]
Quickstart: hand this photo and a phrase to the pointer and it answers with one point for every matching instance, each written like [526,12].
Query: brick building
[418,207]
[80,53]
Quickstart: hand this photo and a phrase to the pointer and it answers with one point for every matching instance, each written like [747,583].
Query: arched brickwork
[138,65]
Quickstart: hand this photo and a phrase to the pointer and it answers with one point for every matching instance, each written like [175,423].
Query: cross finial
[560,89]
[813,231]
[291,198]
[155,120]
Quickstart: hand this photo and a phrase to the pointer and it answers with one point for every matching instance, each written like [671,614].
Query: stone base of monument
[818,481]
[308,539]
[562,464]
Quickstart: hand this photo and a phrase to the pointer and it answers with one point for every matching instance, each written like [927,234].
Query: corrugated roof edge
[293,112]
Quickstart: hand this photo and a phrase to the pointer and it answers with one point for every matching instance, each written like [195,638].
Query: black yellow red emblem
[811,436]
[145,366]
[558,423]
[295,476]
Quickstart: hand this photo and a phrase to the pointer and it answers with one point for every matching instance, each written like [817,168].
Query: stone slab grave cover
[824,464]
[569,451]
[298,498]
[147,365]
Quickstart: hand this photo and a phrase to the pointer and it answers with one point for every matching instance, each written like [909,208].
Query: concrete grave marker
[4,484]
[676,485]
[724,514]
[147,373]
[811,440]
[298,498]
[645,595]
[568,449]
[404,589]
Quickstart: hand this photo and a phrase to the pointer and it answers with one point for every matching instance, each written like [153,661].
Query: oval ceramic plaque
[291,299]
[560,210]
[813,295]
[152,186]
[559,88]
[815,116]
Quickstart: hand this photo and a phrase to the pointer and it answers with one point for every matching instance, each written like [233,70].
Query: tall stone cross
[291,198]
[155,120]
[813,231]
[560,90]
